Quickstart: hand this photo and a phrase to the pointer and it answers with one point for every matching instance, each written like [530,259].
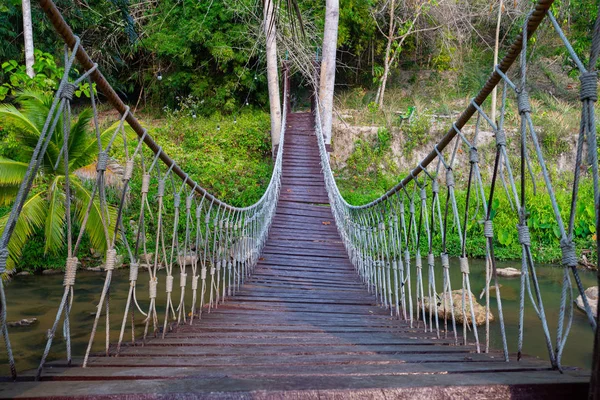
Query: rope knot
[169,284]
[523,101]
[188,203]
[430,259]
[213,270]
[445,260]
[473,155]
[134,268]
[182,279]
[381,226]
[524,237]
[111,259]
[395,265]
[195,282]
[488,228]
[423,194]
[411,207]
[145,183]
[400,264]
[449,178]
[161,188]
[203,273]
[67,91]
[128,170]
[402,207]
[569,257]
[435,186]
[407,257]
[589,86]
[500,137]
[464,265]
[3,260]
[176,200]
[102,161]
[418,261]
[70,271]
[152,287]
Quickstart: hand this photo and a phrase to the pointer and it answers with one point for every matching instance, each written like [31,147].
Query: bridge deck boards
[302,326]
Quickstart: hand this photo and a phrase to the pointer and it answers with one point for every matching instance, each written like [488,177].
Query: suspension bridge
[302,294]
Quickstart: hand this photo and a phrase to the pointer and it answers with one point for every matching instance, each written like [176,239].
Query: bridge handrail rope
[222,246]
[383,242]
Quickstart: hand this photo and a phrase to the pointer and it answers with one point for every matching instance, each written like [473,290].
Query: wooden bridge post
[285,68]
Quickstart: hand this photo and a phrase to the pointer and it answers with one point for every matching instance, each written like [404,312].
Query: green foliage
[44,210]
[46,79]
[416,133]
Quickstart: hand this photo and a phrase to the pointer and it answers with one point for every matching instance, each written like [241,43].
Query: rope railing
[180,227]
[387,237]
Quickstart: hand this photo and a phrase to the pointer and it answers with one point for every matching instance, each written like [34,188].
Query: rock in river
[458,313]
[592,296]
[23,322]
[508,272]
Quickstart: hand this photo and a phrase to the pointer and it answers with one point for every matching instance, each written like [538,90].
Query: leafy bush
[416,133]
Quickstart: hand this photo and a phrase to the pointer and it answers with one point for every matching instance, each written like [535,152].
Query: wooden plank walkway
[302,326]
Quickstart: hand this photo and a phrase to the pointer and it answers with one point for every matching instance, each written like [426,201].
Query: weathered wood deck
[302,326]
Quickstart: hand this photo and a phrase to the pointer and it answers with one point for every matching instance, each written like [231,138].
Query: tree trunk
[332,14]
[272,72]
[496,46]
[28,35]
[386,61]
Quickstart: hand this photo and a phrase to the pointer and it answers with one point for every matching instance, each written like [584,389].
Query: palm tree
[45,206]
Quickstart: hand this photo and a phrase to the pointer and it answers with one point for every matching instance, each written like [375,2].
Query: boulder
[457,302]
[118,262]
[508,272]
[51,272]
[592,296]
[23,322]
[23,273]
[95,269]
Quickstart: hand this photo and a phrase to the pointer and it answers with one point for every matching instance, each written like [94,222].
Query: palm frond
[83,147]
[31,219]
[10,115]
[12,172]
[55,218]
[94,227]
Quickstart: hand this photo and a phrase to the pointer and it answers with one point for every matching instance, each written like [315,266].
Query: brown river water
[38,296]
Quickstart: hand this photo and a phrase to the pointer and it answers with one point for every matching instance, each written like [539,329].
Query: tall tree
[327,79]
[28,36]
[272,71]
[496,46]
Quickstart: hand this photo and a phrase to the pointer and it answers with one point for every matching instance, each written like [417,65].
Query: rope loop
[423,194]
[488,228]
[169,284]
[524,236]
[102,161]
[500,137]
[111,259]
[418,261]
[161,188]
[449,177]
[134,268]
[445,260]
[430,259]
[67,91]
[523,101]
[473,155]
[128,170]
[464,265]
[3,259]
[145,183]
[182,280]
[152,287]
[589,86]
[70,271]
[569,257]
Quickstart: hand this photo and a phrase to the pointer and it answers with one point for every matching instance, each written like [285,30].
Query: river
[38,296]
